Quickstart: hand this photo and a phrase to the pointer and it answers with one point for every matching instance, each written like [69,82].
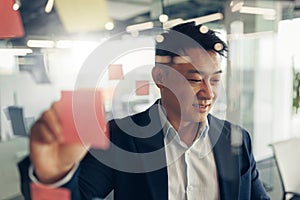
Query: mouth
[201,107]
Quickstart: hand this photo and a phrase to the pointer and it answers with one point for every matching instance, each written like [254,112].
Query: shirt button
[190,188]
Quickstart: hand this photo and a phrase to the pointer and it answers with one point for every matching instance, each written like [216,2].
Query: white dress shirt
[191,170]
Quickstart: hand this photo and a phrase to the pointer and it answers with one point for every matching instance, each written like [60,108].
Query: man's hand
[51,157]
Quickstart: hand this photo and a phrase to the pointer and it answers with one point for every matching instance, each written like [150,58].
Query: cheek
[182,96]
[215,91]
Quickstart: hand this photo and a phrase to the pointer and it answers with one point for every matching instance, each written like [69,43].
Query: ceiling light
[139,27]
[207,18]
[109,26]
[17,52]
[159,39]
[163,18]
[16,5]
[40,43]
[269,17]
[218,46]
[258,11]
[236,5]
[64,44]
[171,23]
[49,6]
[203,29]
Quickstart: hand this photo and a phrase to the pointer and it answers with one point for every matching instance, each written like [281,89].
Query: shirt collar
[167,126]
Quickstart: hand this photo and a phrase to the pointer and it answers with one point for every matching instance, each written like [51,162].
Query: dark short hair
[188,35]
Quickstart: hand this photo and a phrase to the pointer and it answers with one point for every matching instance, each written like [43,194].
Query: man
[173,150]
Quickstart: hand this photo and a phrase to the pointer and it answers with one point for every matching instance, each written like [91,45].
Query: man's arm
[91,179]
[53,159]
[25,180]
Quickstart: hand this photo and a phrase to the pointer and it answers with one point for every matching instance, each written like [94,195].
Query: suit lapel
[152,153]
[227,161]
[157,179]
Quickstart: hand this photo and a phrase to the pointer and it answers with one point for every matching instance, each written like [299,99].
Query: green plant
[296,91]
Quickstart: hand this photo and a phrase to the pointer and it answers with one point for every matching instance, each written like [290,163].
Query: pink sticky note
[41,192]
[115,72]
[142,88]
[83,118]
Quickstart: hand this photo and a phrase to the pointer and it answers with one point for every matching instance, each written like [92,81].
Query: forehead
[199,59]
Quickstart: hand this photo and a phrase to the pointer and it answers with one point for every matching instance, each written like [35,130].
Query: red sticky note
[11,25]
[83,118]
[115,72]
[142,87]
[41,192]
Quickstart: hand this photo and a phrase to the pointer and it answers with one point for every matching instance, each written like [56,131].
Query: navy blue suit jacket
[236,168]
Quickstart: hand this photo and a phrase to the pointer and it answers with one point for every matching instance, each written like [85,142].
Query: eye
[195,80]
[214,81]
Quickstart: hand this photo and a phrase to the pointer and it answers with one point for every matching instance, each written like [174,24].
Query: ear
[158,76]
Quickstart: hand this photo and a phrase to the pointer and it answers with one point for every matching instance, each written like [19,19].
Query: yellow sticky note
[82,15]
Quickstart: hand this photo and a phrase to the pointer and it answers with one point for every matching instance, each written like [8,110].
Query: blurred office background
[44,44]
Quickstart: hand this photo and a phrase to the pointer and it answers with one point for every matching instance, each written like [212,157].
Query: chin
[202,120]
[198,119]
[202,117]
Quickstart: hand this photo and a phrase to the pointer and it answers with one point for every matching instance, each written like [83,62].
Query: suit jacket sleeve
[92,179]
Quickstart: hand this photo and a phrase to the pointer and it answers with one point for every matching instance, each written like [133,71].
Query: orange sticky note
[83,118]
[115,72]
[142,88]
[41,192]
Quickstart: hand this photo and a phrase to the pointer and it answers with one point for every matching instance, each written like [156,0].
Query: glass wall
[260,90]
[260,72]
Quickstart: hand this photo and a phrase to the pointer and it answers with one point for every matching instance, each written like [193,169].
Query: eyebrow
[194,71]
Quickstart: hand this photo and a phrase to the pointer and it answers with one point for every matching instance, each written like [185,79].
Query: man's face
[190,89]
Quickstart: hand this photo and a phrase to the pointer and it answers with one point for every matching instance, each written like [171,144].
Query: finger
[50,119]
[75,153]
[56,107]
[41,133]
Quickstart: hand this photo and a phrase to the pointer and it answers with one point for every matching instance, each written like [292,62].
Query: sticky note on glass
[11,25]
[41,192]
[83,118]
[142,87]
[115,72]
[82,15]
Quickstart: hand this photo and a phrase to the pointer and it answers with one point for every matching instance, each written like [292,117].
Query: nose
[205,91]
